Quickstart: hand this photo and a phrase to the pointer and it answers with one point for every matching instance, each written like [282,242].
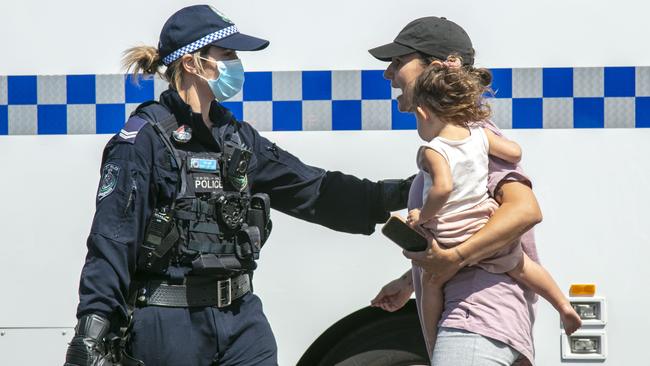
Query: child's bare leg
[539,280]
[432,303]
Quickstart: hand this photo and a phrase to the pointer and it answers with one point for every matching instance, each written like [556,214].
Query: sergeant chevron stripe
[128,135]
[131,129]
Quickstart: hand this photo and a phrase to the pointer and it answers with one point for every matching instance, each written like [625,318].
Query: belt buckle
[224,293]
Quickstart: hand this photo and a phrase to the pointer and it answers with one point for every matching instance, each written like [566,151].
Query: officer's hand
[395,294]
[86,348]
[395,193]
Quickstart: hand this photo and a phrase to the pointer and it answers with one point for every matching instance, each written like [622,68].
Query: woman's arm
[518,213]
[395,294]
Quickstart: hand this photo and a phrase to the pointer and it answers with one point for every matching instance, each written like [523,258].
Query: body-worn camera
[236,161]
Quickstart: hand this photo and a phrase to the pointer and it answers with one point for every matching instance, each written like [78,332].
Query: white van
[586,151]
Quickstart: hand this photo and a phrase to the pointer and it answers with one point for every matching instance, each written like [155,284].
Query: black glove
[86,347]
[395,193]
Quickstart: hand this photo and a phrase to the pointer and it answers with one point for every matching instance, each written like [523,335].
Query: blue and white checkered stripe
[222,33]
[599,97]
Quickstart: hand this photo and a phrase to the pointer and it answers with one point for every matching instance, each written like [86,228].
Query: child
[448,101]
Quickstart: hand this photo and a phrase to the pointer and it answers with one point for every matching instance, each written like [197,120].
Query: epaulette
[131,128]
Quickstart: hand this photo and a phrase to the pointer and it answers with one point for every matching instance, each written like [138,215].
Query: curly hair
[454,93]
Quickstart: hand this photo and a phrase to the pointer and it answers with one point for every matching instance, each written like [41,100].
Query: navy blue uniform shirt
[137,173]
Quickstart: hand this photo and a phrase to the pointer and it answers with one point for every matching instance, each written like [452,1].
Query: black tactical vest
[213,225]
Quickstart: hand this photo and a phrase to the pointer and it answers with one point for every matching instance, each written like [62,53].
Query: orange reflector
[582,290]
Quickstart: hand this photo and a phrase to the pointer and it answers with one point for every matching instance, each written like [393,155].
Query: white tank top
[468,161]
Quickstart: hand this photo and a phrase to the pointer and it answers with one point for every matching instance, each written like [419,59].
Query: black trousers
[238,334]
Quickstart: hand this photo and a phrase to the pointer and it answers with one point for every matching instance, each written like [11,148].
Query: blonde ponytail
[146,60]
[141,59]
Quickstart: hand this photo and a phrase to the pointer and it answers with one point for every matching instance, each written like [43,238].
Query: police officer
[182,210]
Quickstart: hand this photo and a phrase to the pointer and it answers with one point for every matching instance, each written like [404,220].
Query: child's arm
[438,168]
[502,147]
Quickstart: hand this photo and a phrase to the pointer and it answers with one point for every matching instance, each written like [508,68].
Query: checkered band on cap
[221,33]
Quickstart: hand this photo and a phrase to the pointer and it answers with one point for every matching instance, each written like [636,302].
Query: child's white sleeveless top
[468,161]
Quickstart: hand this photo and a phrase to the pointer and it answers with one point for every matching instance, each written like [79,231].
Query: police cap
[197,26]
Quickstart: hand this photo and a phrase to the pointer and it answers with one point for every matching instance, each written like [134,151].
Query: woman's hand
[442,264]
[395,294]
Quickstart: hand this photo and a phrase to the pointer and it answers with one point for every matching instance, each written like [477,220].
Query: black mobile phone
[397,230]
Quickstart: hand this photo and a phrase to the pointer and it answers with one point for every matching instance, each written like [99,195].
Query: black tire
[394,340]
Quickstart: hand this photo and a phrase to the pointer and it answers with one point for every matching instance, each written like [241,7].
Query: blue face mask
[230,80]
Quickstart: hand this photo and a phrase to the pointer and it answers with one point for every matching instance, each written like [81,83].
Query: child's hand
[413,218]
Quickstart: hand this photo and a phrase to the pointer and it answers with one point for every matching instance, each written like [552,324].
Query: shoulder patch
[130,130]
[110,174]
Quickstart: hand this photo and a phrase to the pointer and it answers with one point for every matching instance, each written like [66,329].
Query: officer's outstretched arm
[333,199]
[350,202]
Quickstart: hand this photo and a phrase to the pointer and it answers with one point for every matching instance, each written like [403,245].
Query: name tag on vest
[207,183]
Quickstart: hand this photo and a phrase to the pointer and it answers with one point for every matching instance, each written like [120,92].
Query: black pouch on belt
[248,243]
[210,264]
[259,215]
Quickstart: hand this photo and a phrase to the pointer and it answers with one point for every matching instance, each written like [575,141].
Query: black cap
[197,26]
[433,36]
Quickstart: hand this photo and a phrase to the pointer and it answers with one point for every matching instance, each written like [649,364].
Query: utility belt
[194,291]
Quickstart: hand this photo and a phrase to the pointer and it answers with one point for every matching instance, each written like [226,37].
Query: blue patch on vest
[131,129]
[204,164]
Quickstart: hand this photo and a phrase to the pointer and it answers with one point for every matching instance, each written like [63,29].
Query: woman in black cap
[487,318]
[183,209]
